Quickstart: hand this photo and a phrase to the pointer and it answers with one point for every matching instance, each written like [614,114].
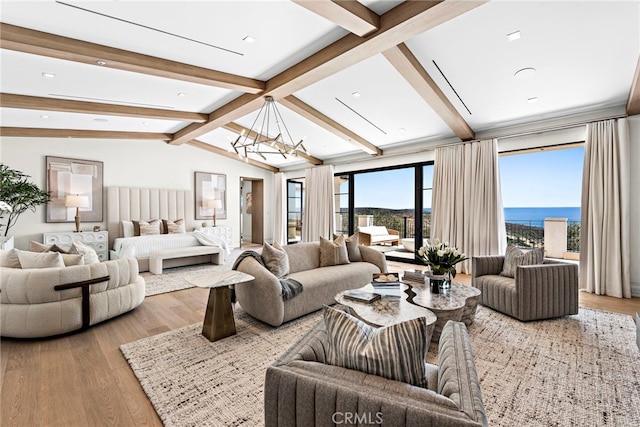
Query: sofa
[42,302]
[301,389]
[540,291]
[377,235]
[262,297]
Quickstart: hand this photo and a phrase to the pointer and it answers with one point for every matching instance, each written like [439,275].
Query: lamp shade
[77,201]
[214,203]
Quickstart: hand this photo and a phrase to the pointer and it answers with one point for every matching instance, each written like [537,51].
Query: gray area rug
[175,279]
[581,370]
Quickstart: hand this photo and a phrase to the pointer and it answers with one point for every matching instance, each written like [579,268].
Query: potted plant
[18,194]
[442,259]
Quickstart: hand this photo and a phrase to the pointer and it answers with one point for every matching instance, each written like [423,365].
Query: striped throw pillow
[396,352]
[515,256]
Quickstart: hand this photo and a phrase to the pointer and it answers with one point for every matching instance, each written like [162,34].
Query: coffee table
[218,318]
[459,303]
[391,308]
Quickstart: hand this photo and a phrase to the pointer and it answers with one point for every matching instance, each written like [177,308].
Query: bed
[127,204]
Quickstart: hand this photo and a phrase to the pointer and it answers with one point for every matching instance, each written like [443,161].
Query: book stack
[414,275]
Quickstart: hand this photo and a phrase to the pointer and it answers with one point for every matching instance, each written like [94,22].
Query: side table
[218,318]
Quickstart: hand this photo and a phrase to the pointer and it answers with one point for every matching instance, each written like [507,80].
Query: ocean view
[536,216]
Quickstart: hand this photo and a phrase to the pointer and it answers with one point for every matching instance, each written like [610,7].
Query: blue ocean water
[536,216]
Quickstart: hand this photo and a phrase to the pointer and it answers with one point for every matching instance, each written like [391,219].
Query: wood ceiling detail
[50,45]
[399,24]
[234,127]
[315,116]
[633,104]
[350,15]
[9,100]
[79,133]
[410,68]
[204,146]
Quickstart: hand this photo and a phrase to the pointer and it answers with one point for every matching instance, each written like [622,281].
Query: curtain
[467,207]
[279,229]
[318,214]
[604,228]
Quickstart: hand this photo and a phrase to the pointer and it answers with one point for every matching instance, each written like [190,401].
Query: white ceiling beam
[414,73]
[633,104]
[9,100]
[212,149]
[305,110]
[351,15]
[399,24]
[50,45]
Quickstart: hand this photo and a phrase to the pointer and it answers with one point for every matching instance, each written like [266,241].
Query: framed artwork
[74,177]
[210,188]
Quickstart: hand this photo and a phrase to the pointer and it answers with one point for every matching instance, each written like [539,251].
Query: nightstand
[98,240]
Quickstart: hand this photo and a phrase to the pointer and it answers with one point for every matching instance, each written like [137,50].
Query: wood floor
[82,379]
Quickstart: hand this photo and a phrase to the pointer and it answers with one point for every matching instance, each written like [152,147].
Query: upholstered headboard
[129,203]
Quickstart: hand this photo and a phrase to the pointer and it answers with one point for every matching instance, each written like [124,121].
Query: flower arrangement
[441,257]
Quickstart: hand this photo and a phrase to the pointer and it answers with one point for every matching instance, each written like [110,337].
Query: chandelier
[257,141]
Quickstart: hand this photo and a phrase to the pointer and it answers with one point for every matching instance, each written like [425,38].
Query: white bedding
[143,246]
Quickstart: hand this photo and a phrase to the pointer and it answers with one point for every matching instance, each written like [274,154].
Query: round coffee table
[459,303]
[391,308]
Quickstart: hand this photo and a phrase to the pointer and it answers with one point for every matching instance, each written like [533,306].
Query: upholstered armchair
[541,291]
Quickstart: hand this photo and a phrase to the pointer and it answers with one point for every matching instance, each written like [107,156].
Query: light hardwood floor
[82,379]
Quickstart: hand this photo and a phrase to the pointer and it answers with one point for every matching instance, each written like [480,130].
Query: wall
[634,232]
[153,164]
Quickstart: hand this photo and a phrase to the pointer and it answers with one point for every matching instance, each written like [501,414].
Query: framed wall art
[209,188]
[74,177]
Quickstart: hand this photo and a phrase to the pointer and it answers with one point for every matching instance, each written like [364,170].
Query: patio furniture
[377,235]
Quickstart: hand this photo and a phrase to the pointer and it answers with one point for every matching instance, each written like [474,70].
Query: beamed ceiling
[356,79]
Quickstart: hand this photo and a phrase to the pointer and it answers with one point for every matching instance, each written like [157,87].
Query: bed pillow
[515,256]
[353,247]
[127,229]
[276,259]
[146,228]
[40,259]
[173,227]
[89,254]
[396,352]
[9,258]
[333,253]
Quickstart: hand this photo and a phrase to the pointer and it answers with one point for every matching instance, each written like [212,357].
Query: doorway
[251,211]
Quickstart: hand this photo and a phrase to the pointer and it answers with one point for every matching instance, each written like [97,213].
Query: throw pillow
[276,259]
[396,352]
[89,254]
[40,259]
[9,259]
[333,253]
[515,256]
[39,247]
[353,247]
[72,259]
[173,227]
[147,228]
[128,229]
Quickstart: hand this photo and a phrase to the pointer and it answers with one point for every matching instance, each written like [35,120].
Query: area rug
[175,279]
[579,370]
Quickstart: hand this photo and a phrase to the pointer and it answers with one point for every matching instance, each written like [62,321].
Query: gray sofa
[300,389]
[262,297]
[541,291]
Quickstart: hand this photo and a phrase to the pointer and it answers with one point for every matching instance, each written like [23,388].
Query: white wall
[153,164]
[634,232]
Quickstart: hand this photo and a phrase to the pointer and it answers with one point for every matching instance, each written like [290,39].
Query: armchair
[537,292]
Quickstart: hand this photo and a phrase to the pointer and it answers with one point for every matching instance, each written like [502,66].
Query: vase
[436,282]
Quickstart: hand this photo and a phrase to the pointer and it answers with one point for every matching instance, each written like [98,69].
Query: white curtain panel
[467,207]
[280,227]
[604,230]
[317,217]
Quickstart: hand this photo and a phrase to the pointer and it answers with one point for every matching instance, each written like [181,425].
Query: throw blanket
[207,239]
[290,287]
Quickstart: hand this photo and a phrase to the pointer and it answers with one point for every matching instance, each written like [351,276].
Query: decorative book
[362,296]
[382,280]
[414,275]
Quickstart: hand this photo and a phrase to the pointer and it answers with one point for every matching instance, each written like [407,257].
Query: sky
[541,179]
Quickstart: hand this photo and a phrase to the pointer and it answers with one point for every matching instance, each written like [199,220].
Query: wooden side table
[218,318]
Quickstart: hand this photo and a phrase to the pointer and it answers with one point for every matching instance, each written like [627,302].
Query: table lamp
[77,202]
[215,204]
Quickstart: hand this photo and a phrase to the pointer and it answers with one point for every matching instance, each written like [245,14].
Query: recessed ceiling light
[182,94]
[101,62]
[532,99]
[100,120]
[48,75]
[249,39]
[402,130]
[356,94]
[513,36]
[44,116]
[525,73]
